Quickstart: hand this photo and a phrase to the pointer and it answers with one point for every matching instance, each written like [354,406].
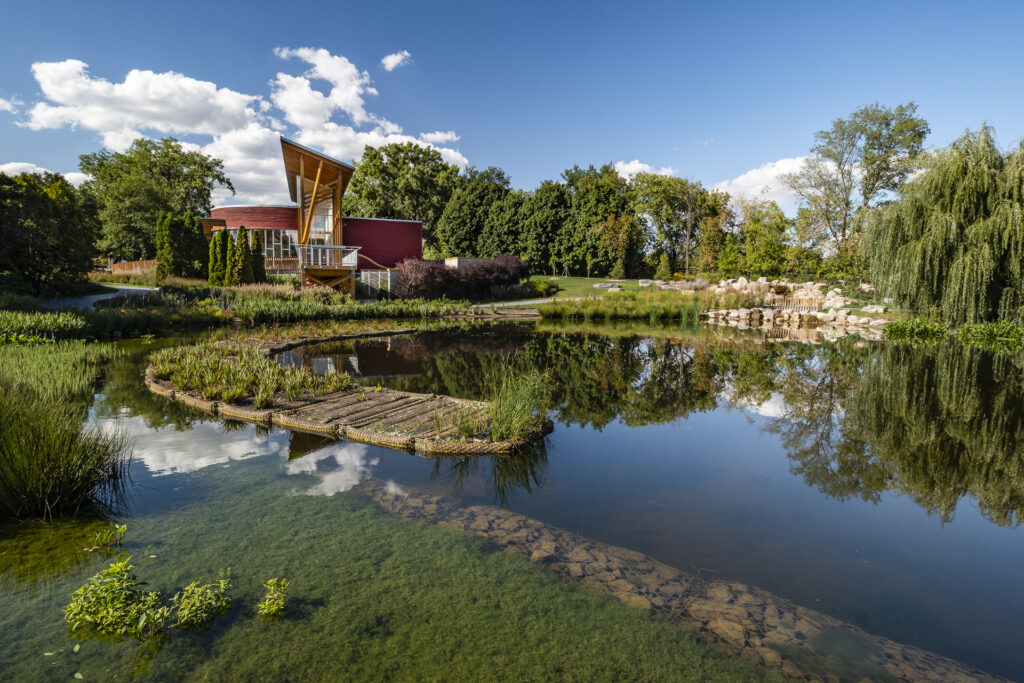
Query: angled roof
[300,160]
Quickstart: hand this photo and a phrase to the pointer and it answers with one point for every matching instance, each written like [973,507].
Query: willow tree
[954,241]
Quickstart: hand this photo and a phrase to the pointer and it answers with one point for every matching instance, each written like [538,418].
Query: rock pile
[841,321]
[752,622]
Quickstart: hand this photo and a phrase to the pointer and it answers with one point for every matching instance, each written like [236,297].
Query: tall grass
[518,404]
[651,306]
[255,309]
[236,372]
[50,464]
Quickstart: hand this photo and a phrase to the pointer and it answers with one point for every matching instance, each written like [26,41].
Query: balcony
[327,257]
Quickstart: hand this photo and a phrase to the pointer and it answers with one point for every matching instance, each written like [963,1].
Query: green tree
[715,233]
[233,269]
[544,213]
[764,228]
[466,213]
[503,228]
[405,181]
[675,211]
[731,258]
[133,188]
[244,255]
[259,262]
[48,230]
[181,246]
[664,270]
[600,228]
[852,166]
[954,241]
[215,265]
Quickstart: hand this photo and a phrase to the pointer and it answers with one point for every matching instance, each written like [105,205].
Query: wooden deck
[422,423]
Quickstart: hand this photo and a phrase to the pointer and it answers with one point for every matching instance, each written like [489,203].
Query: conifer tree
[244,257]
[234,264]
[215,274]
[164,247]
[259,264]
[225,246]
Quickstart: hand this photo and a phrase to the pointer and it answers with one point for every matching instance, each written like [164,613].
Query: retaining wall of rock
[754,623]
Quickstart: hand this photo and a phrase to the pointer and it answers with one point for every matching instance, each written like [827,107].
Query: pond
[878,484]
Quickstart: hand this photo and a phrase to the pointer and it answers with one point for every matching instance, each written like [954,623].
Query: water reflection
[339,468]
[856,420]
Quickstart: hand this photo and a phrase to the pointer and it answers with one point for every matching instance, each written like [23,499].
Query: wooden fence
[132,267]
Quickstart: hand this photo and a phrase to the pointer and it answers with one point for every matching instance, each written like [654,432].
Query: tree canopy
[954,241]
[135,187]
[405,181]
[465,215]
[48,230]
[851,166]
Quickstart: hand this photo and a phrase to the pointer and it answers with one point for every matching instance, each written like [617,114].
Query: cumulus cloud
[323,107]
[10,105]
[765,182]
[628,169]
[395,60]
[339,468]
[18,167]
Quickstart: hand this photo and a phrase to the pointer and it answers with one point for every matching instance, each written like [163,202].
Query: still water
[879,484]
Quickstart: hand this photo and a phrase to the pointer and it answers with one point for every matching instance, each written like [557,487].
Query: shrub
[197,604]
[915,331]
[434,280]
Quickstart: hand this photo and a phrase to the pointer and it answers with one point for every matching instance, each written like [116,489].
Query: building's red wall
[386,242]
[256,217]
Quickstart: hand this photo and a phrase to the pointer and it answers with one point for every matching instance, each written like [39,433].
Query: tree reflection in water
[855,419]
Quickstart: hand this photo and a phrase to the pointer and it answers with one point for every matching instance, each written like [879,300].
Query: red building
[382,242]
[311,237]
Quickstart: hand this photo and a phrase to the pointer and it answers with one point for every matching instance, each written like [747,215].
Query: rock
[741,280]
[634,600]
[645,283]
[762,280]
[878,322]
[615,289]
[874,308]
[866,287]
[729,631]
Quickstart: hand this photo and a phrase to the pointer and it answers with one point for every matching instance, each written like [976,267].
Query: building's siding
[258,217]
[386,242]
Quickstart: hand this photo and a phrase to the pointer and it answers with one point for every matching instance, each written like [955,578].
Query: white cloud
[395,60]
[439,137]
[352,464]
[628,169]
[17,167]
[765,182]
[241,129]
[10,105]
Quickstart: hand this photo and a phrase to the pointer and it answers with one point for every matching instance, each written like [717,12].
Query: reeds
[50,465]
[235,372]
[518,404]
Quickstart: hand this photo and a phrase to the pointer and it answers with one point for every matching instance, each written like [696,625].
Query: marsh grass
[50,464]
[235,372]
[259,308]
[518,404]
[649,305]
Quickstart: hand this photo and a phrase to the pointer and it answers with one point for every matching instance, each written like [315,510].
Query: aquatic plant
[113,603]
[66,370]
[517,407]
[196,605]
[1001,336]
[272,604]
[255,309]
[110,536]
[235,372]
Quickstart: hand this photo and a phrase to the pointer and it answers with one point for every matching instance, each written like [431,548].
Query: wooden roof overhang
[313,178]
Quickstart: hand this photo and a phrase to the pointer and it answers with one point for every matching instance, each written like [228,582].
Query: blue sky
[710,91]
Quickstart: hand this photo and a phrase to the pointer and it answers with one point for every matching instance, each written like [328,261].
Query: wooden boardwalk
[423,423]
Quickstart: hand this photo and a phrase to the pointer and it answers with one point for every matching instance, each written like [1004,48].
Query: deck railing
[327,256]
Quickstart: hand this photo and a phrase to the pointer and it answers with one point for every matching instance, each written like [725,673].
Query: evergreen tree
[216,263]
[244,250]
[180,246]
[954,241]
[233,272]
[259,263]
[225,252]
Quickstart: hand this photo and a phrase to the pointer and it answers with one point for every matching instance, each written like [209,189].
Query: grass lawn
[575,287]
